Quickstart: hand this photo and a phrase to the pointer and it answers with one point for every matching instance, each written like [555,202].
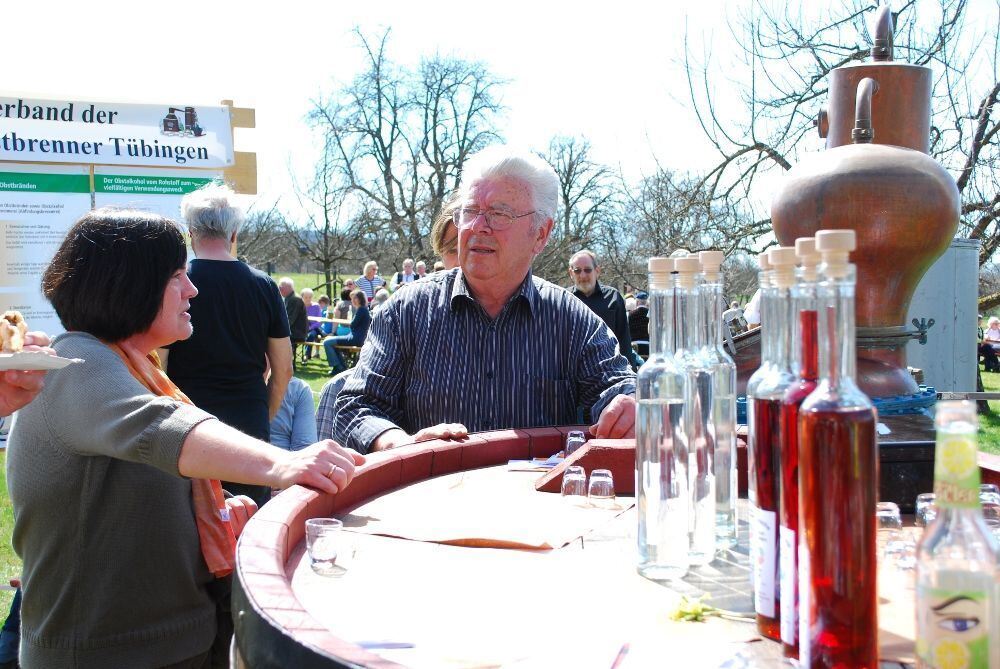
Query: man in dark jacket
[604,301]
[298,324]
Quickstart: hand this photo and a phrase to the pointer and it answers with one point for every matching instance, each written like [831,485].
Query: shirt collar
[526,292]
[597,291]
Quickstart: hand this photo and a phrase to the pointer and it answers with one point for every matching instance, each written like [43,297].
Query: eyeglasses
[495,218]
[585,270]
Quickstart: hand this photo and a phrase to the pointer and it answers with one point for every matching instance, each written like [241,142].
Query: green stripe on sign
[125,184]
[34,182]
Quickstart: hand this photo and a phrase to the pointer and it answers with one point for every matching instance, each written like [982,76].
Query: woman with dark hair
[359,330]
[119,517]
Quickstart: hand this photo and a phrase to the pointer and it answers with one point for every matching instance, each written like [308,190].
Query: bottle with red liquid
[805,364]
[764,291]
[838,477]
[765,445]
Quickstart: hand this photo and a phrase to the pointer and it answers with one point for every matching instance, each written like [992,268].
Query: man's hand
[240,508]
[18,387]
[617,421]
[326,466]
[396,438]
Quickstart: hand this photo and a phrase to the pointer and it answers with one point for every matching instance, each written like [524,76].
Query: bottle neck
[780,332]
[661,321]
[805,356]
[713,306]
[767,295]
[837,353]
[688,326]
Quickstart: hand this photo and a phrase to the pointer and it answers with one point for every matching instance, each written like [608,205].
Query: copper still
[876,178]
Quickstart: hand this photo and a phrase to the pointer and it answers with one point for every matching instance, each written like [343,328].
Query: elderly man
[487,345]
[404,277]
[604,301]
[295,308]
[421,269]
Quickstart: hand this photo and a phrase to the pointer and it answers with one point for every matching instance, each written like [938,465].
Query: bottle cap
[687,268]
[835,246]
[660,270]
[782,259]
[764,278]
[809,257]
[711,261]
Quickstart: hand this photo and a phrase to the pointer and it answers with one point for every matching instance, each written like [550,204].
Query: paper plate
[33,360]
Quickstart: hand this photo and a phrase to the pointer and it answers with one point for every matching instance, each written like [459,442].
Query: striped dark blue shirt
[433,355]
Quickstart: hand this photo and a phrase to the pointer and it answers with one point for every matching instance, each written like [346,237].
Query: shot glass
[601,491]
[989,492]
[323,539]
[889,523]
[574,485]
[574,440]
[926,510]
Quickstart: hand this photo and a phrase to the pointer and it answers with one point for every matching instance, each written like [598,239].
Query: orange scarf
[218,543]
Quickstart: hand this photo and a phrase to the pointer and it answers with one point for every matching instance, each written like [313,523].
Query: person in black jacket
[298,324]
[604,301]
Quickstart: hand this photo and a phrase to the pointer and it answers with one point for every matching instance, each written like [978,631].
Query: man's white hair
[506,161]
[212,212]
[286,281]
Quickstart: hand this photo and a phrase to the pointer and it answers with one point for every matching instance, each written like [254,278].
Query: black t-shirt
[221,366]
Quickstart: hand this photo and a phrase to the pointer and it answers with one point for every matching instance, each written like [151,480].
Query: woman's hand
[240,508]
[326,466]
[19,387]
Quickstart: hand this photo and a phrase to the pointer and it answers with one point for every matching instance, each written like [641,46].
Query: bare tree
[399,138]
[262,239]
[788,52]
[586,198]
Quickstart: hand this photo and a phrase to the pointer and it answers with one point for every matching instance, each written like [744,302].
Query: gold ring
[333,470]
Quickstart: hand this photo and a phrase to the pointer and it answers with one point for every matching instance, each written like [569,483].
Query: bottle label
[764,562]
[953,628]
[805,601]
[956,471]
[786,584]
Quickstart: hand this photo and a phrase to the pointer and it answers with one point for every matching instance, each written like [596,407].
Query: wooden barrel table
[452,559]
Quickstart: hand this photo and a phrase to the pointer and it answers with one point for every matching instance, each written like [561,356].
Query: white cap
[835,246]
[687,268]
[660,271]
[711,261]
[809,257]
[782,259]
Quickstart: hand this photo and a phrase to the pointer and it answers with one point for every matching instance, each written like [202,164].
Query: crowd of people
[185,414]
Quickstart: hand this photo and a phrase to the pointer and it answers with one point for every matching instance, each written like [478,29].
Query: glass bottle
[713,303]
[765,445]
[958,596]
[697,409]
[838,484]
[662,496]
[764,308]
[805,365]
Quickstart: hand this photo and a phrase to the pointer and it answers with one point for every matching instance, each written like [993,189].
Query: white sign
[38,204]
[110,133]
[152,189]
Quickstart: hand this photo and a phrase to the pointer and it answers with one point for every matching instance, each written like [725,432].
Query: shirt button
[489,375]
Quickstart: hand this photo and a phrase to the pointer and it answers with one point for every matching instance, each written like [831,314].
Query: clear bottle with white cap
[713,304]
[838,483]
[662,497]
[764,447]
[698,406]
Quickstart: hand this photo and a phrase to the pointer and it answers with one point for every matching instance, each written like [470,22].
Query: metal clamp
[895,336]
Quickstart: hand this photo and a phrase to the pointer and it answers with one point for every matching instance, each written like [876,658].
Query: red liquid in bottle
[838,465]
[789,512]
[767,470]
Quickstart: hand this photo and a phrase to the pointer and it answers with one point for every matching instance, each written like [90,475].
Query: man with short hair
[404,277]
[421,269]
[604,301]
[370,281]
[298,322]
[487,345]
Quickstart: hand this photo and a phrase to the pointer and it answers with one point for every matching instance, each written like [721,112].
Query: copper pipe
[881,50]
[863,132]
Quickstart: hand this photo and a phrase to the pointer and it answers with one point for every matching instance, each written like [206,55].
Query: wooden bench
[306,345]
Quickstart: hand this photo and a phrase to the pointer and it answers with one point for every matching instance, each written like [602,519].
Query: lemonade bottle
[958,603]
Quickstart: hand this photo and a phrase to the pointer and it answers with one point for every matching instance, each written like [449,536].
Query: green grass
[989,423]
[10,564]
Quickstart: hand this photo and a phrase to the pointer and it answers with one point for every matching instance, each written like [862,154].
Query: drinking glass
[574,440]
[323,538]
[989,492]
[574,485]
[601,491]
[926,509]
